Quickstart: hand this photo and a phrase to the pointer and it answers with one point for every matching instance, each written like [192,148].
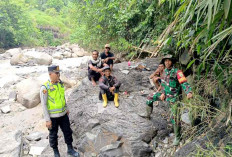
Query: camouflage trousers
[174,110]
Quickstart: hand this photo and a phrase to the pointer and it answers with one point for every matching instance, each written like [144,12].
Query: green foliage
[34,22]
[204,28]
[14,27]
[111,21]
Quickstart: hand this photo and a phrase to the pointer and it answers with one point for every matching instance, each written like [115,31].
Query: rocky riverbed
[22,71]
[97,131]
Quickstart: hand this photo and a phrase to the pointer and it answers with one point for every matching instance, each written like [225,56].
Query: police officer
[171,81]
[52,95]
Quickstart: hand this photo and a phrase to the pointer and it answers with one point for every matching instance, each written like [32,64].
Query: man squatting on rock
[172,81]
[109,87]
[52,95]
[95,66]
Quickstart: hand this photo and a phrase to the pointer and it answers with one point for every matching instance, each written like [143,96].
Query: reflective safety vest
[56,97]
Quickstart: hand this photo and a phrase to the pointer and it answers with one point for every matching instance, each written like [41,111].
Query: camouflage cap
[168,57]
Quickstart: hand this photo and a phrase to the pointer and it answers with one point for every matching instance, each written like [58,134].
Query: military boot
[56,152]
[177,139]
[71,152]
[149,110]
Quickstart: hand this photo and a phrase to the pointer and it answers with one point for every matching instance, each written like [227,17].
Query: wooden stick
[137,49]
[141,49]
[141,45]
[162,37]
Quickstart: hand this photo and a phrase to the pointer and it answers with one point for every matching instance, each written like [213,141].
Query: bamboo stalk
[162,38]
[141,49]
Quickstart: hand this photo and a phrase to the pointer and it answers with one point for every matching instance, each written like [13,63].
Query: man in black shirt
[107,57]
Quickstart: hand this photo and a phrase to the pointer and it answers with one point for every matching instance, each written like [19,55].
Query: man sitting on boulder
[95,66]
[172,81]
[155,78]
[108,57]
[109,87]
[55,111]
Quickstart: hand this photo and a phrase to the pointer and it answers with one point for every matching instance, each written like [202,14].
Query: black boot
[56,152]
[72,152]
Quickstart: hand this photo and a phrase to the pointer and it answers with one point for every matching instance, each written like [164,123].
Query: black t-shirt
[104,56]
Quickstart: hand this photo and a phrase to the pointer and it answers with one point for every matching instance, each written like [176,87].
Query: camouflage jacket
[172,81]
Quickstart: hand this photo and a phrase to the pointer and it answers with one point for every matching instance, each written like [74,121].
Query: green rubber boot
[149,110]
[177,139]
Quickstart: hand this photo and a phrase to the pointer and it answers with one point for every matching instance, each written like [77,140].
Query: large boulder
[68,83]
[18,59]
[80,52]
[108,131]
[58,56]
[67,54]
[11,144]
[31,58]
[39,57]
[11,52]
[28,92]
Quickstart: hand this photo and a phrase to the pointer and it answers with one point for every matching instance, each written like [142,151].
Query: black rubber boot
[56,152]
[72,152]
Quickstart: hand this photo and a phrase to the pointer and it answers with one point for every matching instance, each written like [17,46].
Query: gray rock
[158,154]
[28,93]
[38,57]
[11,144]
[112,146]
[13,96]
[185,118]
[90,136]
[165,141]
[39,147]
[121,124]
[12,52]
[67,54]
[125,71]
[112,153]
[35,136]
[92,123]
[58,56]
[6,109]
[18,59]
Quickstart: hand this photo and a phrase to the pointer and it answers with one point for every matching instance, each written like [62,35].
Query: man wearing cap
[109,87]
[107,56]
[171,81]
[52,95]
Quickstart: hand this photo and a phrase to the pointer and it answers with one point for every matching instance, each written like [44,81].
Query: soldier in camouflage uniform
[171,82]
